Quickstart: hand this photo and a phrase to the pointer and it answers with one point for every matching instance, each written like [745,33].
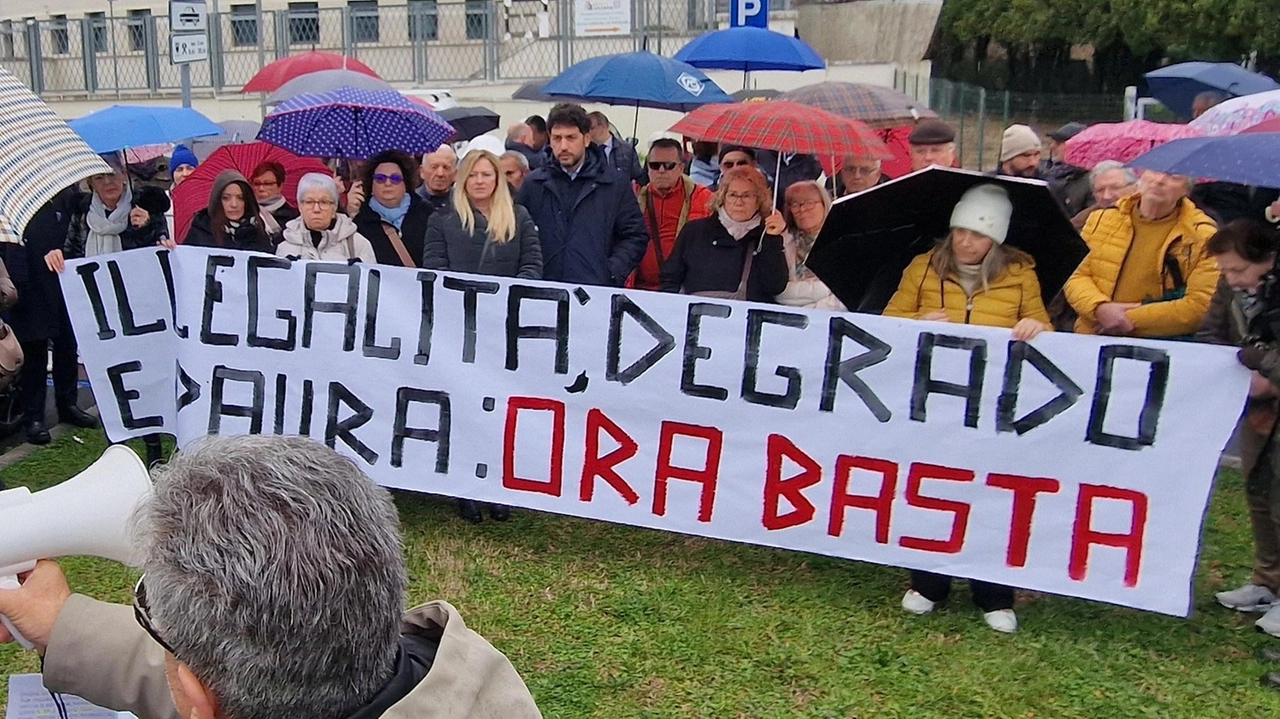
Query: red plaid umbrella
[271,77]
[879,107]
[193,194]
[783,126]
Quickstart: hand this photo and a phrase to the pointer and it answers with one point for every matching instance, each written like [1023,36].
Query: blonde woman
[482,230]
[805,211]
[972,278]
[485,232]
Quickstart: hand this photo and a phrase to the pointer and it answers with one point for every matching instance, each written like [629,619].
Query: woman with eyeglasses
[736,253]
[322,233]
[806,208]
[483,231]
[395,218]
[267,180]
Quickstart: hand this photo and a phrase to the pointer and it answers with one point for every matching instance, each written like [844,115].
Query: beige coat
[341,243]
[99,652]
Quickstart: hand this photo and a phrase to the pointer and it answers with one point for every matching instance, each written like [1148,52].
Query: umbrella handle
[777,179]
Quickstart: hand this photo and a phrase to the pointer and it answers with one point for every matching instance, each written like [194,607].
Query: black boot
[499,512]
[36,432]
[470,511]
[73,415]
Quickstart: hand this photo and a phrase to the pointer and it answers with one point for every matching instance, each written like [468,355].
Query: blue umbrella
[750,49]
[640,79]
[1176,86]
[122,126]
[354,124]
[1248,159]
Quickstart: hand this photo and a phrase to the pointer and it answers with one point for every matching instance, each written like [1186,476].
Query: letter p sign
[749,12]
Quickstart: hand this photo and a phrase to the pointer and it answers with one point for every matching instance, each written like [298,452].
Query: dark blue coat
[591,228]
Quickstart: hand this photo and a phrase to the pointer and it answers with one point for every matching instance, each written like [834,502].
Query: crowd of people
[564,199]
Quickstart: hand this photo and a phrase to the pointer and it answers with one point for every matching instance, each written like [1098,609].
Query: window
[423,21]
[137,24]
[364,20]
[97,30]
[304,23]
[477,19]
[59,35]
[244,25]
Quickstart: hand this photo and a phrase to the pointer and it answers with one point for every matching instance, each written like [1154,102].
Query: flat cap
[932,131]
[1066,132]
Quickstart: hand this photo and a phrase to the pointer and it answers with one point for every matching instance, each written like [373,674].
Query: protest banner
[1074,465]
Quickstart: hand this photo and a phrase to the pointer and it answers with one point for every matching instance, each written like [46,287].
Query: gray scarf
[104,227]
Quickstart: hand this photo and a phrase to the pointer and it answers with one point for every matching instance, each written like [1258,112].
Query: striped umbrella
[39,155]
[879,107]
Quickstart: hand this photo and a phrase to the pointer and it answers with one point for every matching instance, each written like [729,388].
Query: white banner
[1073,465]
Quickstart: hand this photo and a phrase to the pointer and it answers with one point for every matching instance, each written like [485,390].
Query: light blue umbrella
[1246,159]
[123,126]
[1176,86]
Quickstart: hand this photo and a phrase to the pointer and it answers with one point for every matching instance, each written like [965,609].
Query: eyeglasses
[739,163]
[142,613]
[861,171]
[664,166]
[318,203]
[740,196]
[394,179]
[802,204]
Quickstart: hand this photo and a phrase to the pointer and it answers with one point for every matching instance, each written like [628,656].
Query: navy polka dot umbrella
[354,124]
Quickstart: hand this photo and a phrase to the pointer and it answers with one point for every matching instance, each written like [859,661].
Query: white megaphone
[85,515]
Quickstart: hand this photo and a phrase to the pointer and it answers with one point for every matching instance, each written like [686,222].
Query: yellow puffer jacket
[1109,234]
[1011,297]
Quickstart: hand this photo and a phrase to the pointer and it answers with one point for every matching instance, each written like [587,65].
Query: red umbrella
[1272,125]
[193,194]
[1121,141]
[783,126]
[271,77]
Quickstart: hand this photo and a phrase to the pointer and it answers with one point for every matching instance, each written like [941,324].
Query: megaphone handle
[11,582]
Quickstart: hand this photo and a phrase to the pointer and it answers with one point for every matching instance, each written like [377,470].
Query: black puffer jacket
[413,231]
[249,235]
[156,230]
[706,258]
[450,247]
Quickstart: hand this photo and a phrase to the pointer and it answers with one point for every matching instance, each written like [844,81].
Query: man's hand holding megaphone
[34,607]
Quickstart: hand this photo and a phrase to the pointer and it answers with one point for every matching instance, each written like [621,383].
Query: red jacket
[668,211]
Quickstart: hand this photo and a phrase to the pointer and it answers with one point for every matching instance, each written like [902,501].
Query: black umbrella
[870,238]
[470,122]
[757,95]
[532,90]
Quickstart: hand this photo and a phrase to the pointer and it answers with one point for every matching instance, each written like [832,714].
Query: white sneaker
[1002,620]
[917,603]
[1249,598]
[1270,622]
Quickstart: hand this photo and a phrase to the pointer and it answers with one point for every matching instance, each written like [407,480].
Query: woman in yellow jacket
[972,278]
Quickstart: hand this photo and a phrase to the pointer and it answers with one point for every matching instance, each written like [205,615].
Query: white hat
[484,142]
[985,209]
[1016,140]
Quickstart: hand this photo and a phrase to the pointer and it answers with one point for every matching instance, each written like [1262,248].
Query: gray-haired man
[274,585]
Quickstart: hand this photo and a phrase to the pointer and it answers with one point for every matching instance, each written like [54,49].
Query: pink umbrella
[1121,141]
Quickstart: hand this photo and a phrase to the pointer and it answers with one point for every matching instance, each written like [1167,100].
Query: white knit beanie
[985,209]
[1016,140]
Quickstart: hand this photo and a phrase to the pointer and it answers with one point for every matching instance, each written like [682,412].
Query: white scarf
[738,230]
[104,229]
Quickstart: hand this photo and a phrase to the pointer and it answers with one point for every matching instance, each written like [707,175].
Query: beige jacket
[341,243]
[99,652]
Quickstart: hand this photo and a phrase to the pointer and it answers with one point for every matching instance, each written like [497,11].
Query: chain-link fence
[980,115]
[421,41]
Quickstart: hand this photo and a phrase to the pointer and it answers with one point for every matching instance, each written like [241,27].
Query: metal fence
[980,115]
[420,42]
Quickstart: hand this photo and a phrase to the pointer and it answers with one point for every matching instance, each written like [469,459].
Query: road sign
[749,12]
[187,16]
[192,47]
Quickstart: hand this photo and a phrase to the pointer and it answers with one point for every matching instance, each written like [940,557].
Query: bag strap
[741,293]
[1172,267]
[653,226]
[394,235]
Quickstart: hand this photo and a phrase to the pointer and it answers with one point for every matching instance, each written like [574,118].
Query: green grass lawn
[613,622]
